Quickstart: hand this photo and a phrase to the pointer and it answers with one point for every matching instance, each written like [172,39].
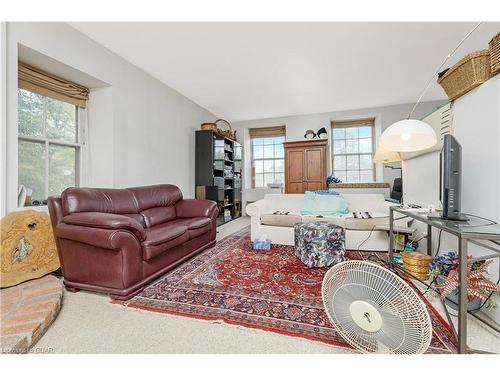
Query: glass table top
[474,227]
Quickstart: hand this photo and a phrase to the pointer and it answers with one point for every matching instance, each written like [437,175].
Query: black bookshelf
[218,170]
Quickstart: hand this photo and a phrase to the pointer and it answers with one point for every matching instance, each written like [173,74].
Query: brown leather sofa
[118,240]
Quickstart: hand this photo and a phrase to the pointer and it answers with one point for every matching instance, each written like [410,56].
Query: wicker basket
[495,54]
[468,73]
[209,126]
[416,264]
[225,133]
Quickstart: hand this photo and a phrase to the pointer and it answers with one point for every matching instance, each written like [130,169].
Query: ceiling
[244,71]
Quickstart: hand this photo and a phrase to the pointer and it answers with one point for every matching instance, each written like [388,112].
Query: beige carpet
[88,323]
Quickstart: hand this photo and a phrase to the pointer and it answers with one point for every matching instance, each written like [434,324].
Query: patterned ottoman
[319,244]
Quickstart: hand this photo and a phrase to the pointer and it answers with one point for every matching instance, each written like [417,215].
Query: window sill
[41,208]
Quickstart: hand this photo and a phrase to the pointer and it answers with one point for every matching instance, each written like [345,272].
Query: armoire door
[295,171]
[314,160]
[305,166]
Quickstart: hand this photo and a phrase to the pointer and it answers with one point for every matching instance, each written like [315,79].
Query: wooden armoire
[305,166]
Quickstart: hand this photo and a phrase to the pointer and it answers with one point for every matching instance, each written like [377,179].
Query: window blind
[274,131]
[353,123]
[43,83]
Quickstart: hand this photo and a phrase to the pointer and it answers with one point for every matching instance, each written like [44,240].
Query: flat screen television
[450,179]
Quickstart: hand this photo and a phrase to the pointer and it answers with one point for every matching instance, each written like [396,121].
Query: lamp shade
[408,136]
[383,155]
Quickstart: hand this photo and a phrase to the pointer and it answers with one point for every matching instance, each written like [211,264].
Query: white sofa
[361,234]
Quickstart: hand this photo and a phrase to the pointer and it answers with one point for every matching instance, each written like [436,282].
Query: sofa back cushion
[364,202]
[112,201]
[285,202]
[158,215]
[149,205]
[156,203]
[295,202]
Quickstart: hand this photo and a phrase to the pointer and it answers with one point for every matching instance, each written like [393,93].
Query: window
[268,156]
[352,151]
[49,144]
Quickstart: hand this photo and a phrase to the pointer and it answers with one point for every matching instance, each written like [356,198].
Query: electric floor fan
[375,310]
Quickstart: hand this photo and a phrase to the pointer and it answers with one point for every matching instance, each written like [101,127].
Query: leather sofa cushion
[280,220]
[151,251]
[163,233]
[112,201]
[137,217]
[196,225]
[196,208]
[158,215]
[163,237]
[156,196]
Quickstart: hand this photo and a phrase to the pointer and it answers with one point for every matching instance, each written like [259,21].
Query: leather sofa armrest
[196,207]
[103,220]
[111,239]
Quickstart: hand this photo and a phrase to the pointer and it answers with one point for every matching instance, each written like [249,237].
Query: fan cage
[406,328]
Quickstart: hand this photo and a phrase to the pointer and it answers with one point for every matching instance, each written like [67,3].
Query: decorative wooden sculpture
[28,247]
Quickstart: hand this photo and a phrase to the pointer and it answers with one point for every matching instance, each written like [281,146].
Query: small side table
[480,232]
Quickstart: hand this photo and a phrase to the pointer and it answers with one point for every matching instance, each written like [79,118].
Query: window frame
[355,123]
[252,159]
[78,145]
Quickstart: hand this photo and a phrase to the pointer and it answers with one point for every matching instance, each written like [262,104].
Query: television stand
[480,232]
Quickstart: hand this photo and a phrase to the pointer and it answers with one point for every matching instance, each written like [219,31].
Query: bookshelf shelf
[217,168]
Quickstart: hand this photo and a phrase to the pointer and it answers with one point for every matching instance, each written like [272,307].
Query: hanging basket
[468,73]
[495,54]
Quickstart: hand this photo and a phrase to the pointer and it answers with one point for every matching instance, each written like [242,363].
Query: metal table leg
[429,239]
[391,235]
[462,296]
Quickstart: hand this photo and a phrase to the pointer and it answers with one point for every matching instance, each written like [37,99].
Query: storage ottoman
[319,244]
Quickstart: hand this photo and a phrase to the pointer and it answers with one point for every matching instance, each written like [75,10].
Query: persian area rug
[271,291]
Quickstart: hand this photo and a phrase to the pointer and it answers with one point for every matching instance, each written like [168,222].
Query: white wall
[296,126]
[3,116]
[140,130]
[476,124]
[477,128]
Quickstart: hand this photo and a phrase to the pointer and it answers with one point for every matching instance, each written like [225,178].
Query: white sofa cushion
[288,220]
[373,203]
[365,224]
[337,220]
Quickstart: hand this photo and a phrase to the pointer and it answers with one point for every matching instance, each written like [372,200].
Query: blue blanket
[324,204]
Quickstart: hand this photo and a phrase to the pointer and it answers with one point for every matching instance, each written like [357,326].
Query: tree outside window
[48,144]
